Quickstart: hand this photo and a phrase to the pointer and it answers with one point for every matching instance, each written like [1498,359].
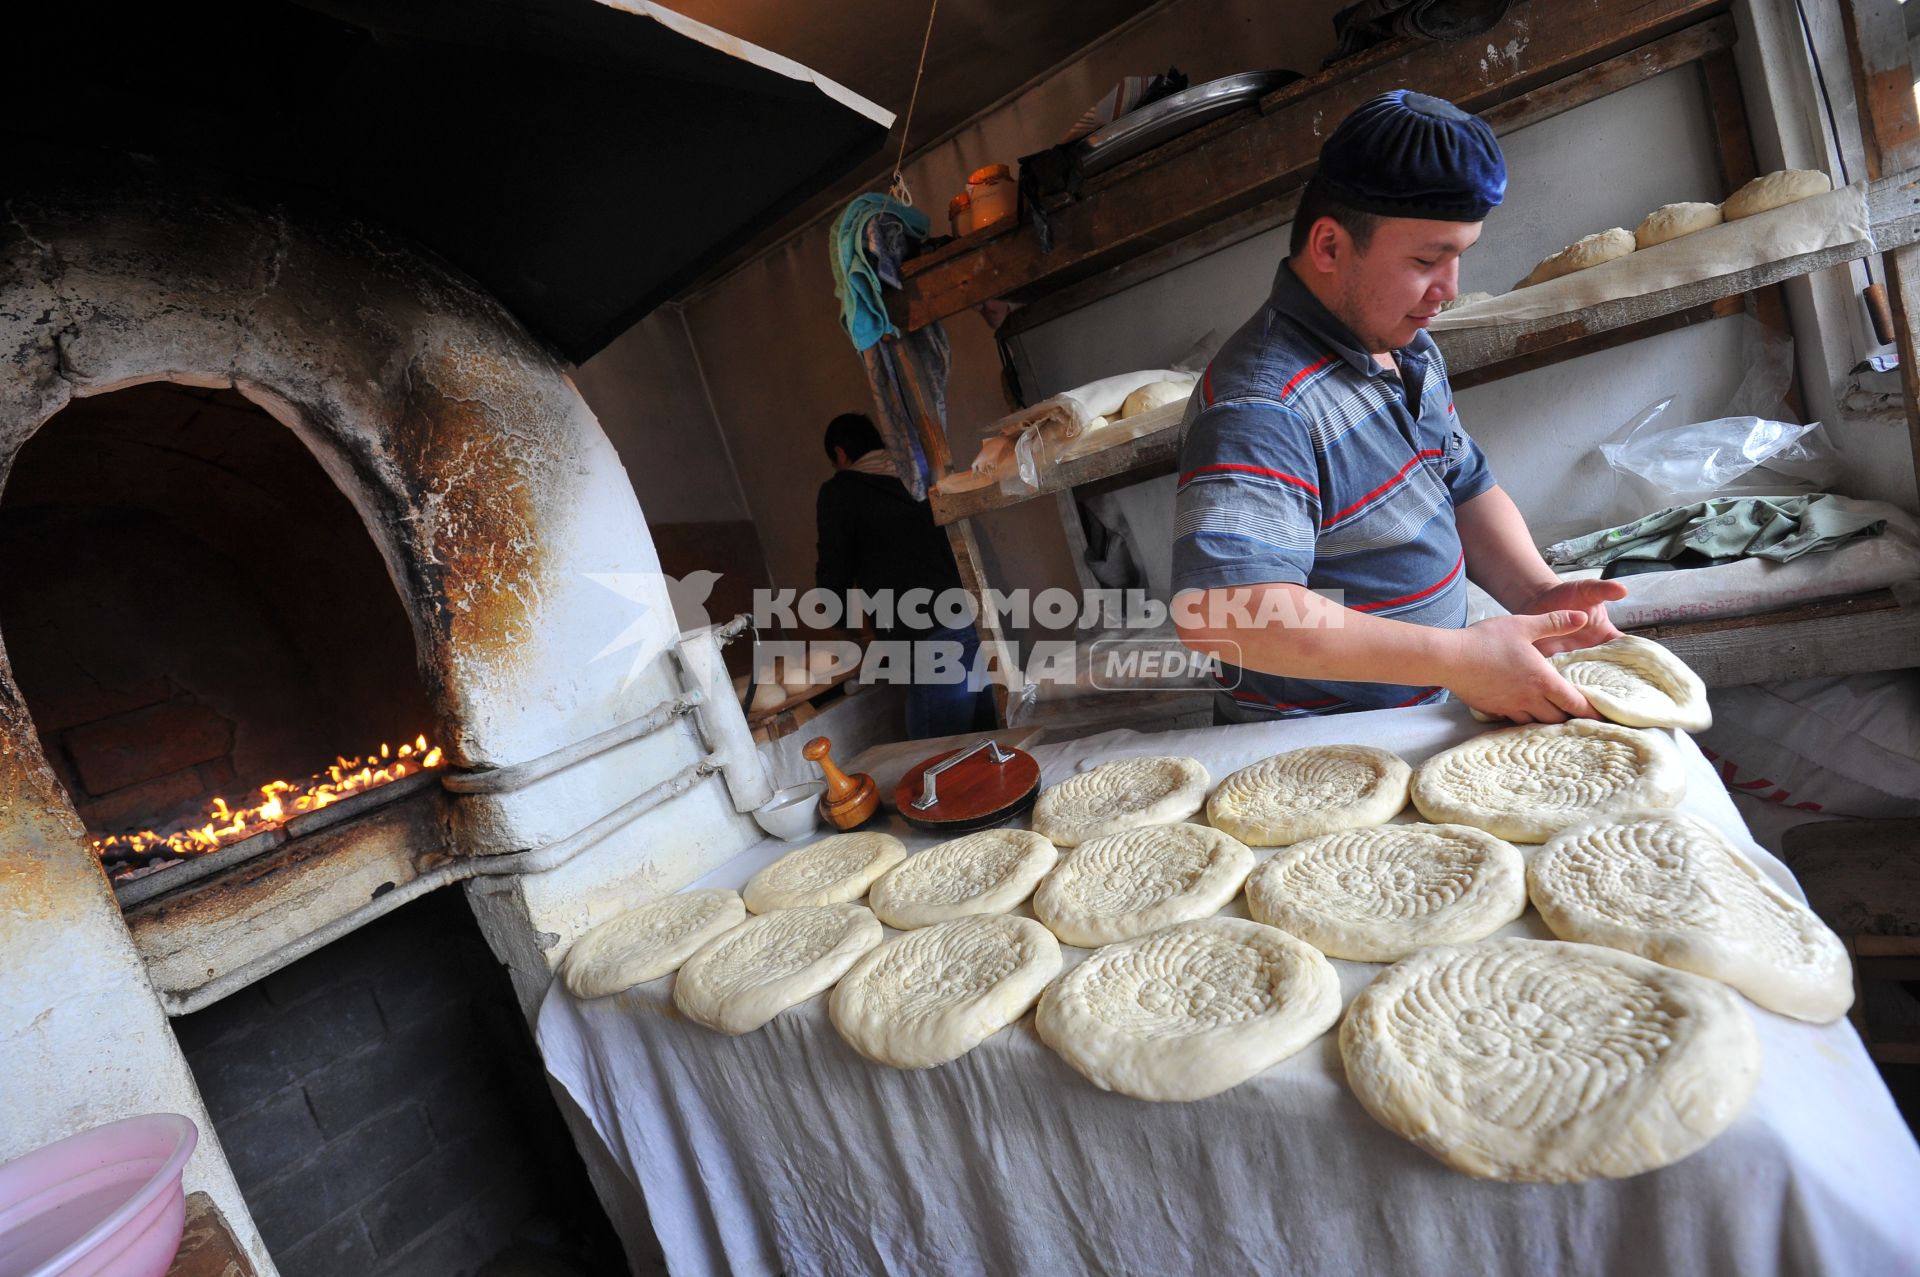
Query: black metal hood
[582,160]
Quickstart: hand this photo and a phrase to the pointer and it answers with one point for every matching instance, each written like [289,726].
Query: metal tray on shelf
[1140,131]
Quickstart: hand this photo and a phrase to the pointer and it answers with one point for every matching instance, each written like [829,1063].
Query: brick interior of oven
[193,608]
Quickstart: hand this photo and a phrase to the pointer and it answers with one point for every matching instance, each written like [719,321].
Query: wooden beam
[1004,661]
[1271,151]
[1688,45]
[1724,308]
[1890,128]
[1841,636]
[1148,455]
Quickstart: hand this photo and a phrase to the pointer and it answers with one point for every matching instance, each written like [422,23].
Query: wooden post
[1883,88]
[973,578]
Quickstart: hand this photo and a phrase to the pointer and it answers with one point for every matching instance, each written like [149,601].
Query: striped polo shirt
[1307,462]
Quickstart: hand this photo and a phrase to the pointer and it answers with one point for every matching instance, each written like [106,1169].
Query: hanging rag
[1370,22]
[1777,528]
[869,240]
[891,366]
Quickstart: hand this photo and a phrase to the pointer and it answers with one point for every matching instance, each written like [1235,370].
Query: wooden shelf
[1854,635]
[1156,452]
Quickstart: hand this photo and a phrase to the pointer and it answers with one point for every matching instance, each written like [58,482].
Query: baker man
[1324,460]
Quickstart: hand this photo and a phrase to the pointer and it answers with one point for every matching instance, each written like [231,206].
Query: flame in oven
[279,802]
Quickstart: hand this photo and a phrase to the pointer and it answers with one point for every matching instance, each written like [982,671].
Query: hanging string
[899,189]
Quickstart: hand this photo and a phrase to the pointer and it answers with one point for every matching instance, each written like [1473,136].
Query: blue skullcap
[1405,154]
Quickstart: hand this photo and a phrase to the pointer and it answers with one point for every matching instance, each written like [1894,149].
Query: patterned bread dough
[1526,784]
[1584,253]
[932,995]
[832,871]
[646,943]
[988,872]
[1541,1061]
[1774,190]
[1125,885]
[777,960]
[1639,683]
[1671,221]
[1190,1010]
[1377,895]
[1128,793]
[1321,789]
[1670,888]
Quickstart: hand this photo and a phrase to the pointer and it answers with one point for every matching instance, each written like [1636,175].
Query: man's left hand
[1591,597]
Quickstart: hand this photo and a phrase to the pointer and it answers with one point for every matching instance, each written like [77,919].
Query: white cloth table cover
[783,1151]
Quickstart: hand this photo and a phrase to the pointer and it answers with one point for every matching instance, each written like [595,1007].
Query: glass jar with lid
[994,194]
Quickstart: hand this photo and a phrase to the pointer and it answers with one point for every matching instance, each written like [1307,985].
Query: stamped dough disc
[1127,793]
[1671,221]
[1670,888]
[1584,253]
[1125,885]
[646,943]
[1775,190]
[1317,790]
[1190,1010]
[1637,682]
[1542,1061]
[1377,895]
[932,995]
[1526,784]
[829,872]
[988,872]
[777,960]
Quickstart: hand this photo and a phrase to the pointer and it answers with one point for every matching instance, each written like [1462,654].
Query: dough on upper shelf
[1526,784]
[992,871]
[1156,394]
[1377,895]
[1584,253]
[1672,889]
[1671,221]
[1189,1010]
[1639,683]
[829,872]
[1465,299]
[932,995]
[1542,1061]
[646,943]
[1775,190]
[769,963]
[1127,793]
[1305,792]
[1127,884]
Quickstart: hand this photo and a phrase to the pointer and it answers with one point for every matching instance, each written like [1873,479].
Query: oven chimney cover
[583,160]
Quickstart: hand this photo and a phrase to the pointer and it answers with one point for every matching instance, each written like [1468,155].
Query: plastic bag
[1725,456]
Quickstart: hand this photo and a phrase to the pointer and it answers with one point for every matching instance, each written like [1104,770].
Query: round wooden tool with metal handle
[962,790]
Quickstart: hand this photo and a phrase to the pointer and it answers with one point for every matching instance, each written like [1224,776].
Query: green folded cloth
[1777,528]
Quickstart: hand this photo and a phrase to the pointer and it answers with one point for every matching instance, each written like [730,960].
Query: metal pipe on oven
[501,780]
[722,726]
[532,860]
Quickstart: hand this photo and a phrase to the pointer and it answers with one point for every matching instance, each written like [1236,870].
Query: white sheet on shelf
[783,1151]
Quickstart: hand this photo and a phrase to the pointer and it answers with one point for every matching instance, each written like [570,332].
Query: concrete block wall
[384,1110]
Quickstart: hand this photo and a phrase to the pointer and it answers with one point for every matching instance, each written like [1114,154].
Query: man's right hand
[1497,670]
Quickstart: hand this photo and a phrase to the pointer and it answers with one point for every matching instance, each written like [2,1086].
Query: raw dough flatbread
[1540,1061]
[1526,784]
[1639,683]
[1377,895]
[1671,221]
[1125,885]
[769,963]
[1584,253]
[932,995]
[1307,792]
[1774,190]
[1127,793]
[1156,394]
[988,872]
[829,872]
[1670,888]
[646,943]
[1190,1010]
[1465,299]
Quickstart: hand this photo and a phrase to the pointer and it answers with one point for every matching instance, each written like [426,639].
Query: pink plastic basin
[106,1201]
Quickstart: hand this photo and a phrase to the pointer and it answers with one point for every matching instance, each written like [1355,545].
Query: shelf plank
[1160,450]
[1264,153]
[1855,635]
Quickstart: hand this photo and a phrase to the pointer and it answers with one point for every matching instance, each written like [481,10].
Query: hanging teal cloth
[865,258]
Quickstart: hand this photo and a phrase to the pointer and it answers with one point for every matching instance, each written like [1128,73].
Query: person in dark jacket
[875,537]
